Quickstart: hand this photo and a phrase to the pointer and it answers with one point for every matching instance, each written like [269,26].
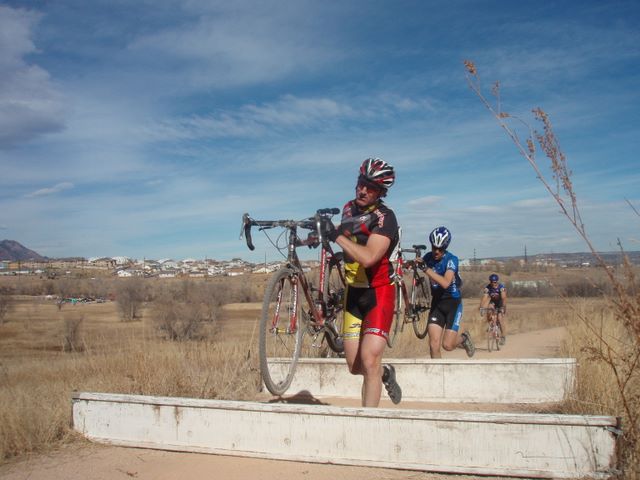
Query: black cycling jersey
[358,225]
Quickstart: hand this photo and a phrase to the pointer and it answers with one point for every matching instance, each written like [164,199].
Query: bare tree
[130,296]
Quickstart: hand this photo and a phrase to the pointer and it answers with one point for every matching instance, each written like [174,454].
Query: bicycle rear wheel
[281,331]
[420,308]
[334,291]
[398,316]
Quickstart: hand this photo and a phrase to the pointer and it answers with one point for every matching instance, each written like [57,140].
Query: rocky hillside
[14,251]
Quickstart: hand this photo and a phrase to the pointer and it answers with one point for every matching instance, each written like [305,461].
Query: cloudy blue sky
[146,128]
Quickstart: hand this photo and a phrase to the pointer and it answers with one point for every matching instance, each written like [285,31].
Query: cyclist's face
[366,194]
[437,253]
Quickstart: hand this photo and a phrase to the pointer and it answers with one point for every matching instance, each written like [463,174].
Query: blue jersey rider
[444,325]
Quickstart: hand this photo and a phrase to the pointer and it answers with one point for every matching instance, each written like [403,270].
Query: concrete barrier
[482,381]
[526,445]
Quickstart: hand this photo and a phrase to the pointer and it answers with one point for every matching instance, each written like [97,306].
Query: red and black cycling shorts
[368,311]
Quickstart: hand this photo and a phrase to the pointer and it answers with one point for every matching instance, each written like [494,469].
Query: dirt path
[84,461]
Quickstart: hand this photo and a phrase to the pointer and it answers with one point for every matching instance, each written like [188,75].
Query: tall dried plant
[5,304]
[621,354]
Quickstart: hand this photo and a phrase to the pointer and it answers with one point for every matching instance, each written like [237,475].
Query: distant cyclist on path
[445,316]
[368,234]
[495,296]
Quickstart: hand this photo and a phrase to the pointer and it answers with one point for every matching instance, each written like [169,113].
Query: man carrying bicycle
[441,266]
[368,233]
[495,296]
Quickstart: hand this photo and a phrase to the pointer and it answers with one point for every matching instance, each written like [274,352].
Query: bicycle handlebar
[417,249]
[485,310]
[311,223]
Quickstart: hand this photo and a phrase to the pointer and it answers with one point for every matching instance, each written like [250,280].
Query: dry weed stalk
[621,355]
[5,305]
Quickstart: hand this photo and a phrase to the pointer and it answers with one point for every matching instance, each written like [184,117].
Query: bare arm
[368,254]
[484,302]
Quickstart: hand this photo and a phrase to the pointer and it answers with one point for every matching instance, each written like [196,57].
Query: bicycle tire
[489,338]
[420,307]
[493,341]
[334,289]
[277,340]
[398,316]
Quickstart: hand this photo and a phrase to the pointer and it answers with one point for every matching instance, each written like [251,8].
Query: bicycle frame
[282,332]
[494,327]
[317,309]
[401,268]
[406,308]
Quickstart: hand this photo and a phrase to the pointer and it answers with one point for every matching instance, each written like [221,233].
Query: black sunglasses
[363,182]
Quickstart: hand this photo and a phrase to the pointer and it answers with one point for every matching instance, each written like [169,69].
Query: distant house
[121,260]
[168,264]
[168,274]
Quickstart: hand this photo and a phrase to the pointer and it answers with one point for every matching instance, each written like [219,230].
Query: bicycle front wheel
[420,308]
[281,331]
[492,338]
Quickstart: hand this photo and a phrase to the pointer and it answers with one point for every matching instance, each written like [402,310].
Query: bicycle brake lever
[246,229]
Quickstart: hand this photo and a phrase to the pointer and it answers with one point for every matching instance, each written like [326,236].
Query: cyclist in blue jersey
[494,295]
[441,267]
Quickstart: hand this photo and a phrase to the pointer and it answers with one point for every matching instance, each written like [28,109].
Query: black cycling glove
[329,230]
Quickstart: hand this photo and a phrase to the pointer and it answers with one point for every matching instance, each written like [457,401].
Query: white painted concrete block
[479,381]
[559,446]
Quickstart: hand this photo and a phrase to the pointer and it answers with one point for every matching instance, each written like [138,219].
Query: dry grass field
[38,370]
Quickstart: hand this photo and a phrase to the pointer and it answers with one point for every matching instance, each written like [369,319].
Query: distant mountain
[14,251]
[577,258]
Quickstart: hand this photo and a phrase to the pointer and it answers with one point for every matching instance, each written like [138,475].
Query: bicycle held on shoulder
[411,306]
[292,306]
[494,328]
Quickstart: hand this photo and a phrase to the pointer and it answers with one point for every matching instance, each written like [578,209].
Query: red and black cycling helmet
[377,172]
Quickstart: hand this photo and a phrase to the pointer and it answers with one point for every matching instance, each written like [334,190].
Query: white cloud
[59,187]
[421,203]
[30,105]
[230,45]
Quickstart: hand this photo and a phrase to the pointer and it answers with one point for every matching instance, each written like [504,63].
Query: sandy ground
[86,461]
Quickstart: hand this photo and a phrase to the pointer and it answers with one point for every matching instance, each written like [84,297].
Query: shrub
[178,320]
[71,334]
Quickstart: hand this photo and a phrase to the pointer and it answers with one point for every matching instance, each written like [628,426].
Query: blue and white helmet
[440,237]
